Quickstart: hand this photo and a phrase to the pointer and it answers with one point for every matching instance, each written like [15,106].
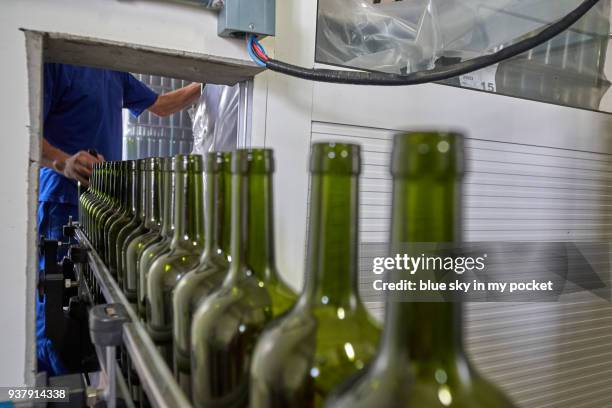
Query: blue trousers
[51,218]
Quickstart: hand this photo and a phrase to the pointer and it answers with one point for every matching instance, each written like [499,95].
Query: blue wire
[254,39]
[254,57]
[260,46]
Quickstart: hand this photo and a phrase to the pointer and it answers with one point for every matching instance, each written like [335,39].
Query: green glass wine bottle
[134,222]
[86,198]
[328,335]
[149,222]
[150,198]
[98,201]
[185,251]
[122,208]
[112,207]
[95,197]
[422,362]
[124,219]
[207,276]
[162,245]
[227,324]
[105,203]
[225,229]
[152,224]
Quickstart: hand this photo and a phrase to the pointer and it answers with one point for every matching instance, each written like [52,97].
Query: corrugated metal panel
[545,355]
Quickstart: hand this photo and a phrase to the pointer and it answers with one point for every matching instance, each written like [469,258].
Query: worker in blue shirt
[83,111]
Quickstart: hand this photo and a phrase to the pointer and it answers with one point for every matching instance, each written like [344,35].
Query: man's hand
[77,166]
[176,101]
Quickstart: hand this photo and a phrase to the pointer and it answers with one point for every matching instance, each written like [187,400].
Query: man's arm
[176,101]
[77,166]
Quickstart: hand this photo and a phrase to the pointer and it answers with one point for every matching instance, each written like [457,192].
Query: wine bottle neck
[189,210]
[116,185]
[225,230]
[106,183]
[169,179]
[111,184]
[214,210]
[425,210]
[93,181]
[143,192]
[252,240]
[133,194]
[153,199]
[125,190]
[100,182]
[119,187]
[333,237]
[429,332]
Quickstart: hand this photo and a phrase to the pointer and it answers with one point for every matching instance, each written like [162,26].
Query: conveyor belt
[155,376]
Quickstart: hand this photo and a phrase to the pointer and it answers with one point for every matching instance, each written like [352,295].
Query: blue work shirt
[83,110]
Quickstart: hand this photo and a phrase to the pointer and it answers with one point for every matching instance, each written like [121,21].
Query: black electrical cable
[439,73]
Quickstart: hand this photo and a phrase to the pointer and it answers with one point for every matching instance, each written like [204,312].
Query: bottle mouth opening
[189,163]
[428,154]
[142,164]
[131,165]
[169,164]
[335,158]
[153,163]
[213,163]
[227,161]
[253,161]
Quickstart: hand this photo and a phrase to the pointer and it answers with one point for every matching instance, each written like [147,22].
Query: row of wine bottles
[191,242]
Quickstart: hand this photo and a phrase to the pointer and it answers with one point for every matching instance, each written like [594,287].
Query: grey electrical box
[247,16]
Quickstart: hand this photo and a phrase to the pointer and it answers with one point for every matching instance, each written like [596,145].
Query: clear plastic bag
[216,4]
[407,36]
[411,35]
[215,119]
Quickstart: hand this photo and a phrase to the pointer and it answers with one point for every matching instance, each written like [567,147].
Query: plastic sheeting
[215,120]
[216,4]
[411,35]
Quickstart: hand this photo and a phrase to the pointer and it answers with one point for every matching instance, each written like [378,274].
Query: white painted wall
[152,23]
[288,127]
